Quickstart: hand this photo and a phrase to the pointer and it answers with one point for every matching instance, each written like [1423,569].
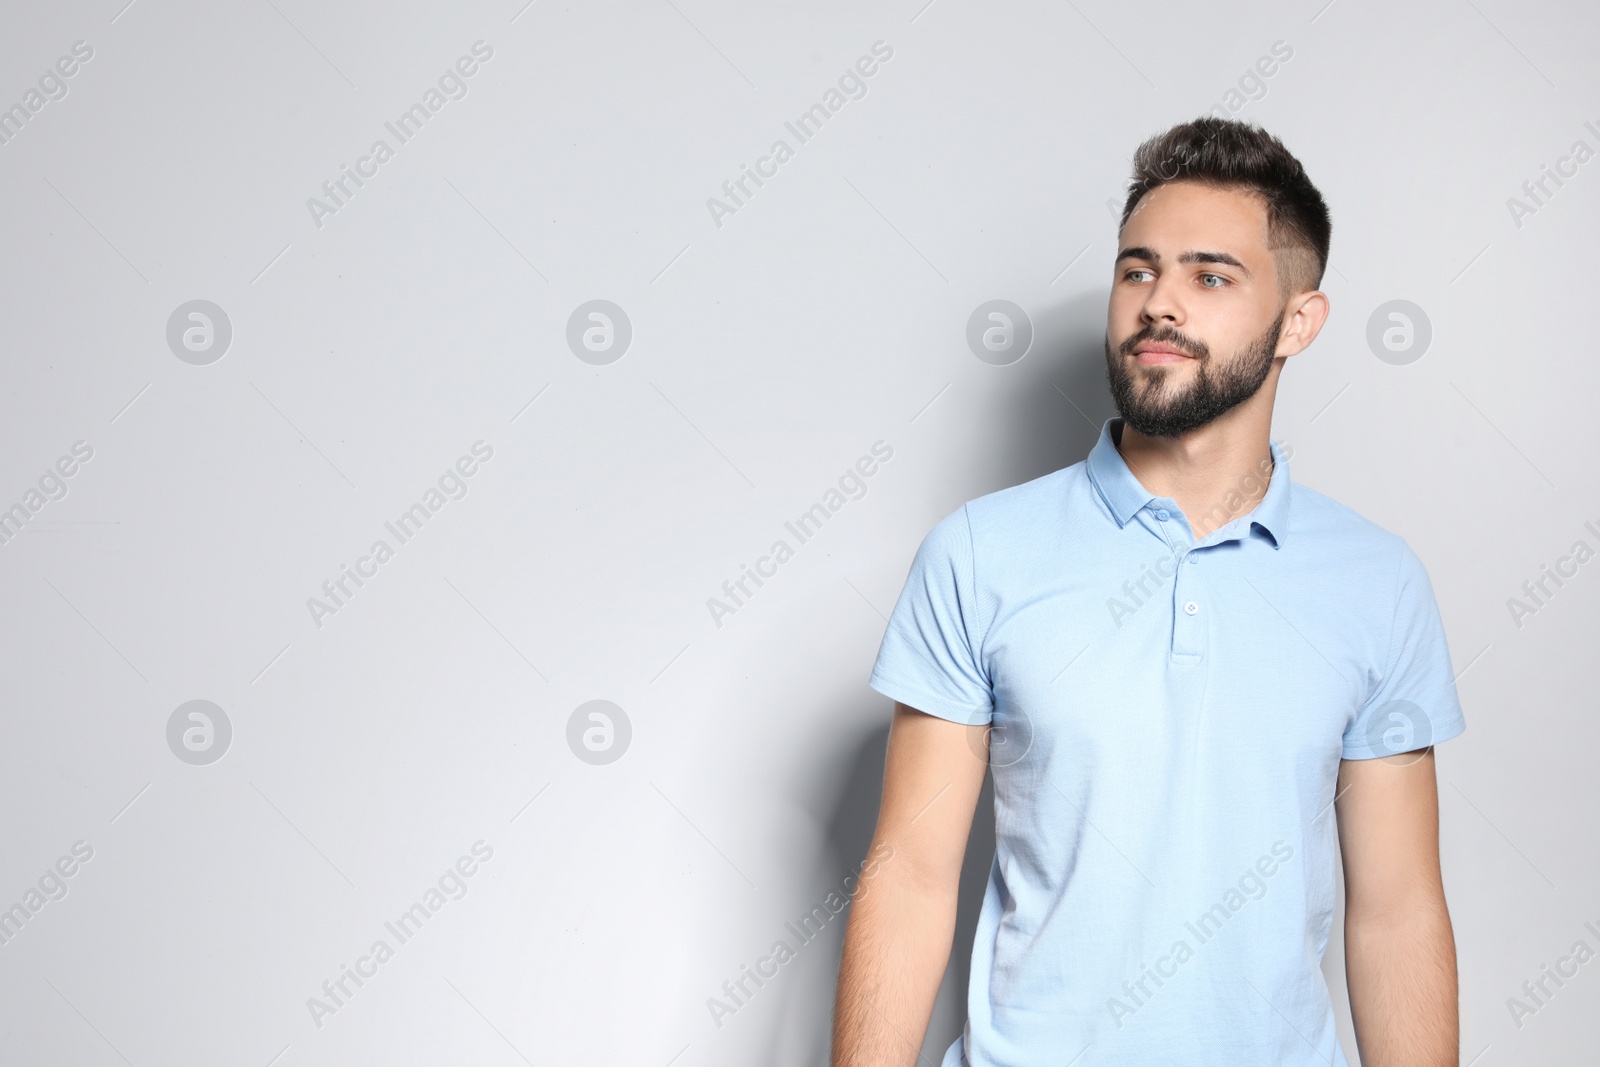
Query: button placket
[1188,633]
[1188,615]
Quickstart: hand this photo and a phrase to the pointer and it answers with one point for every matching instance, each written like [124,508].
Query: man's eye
[1221,281]
[1130,275]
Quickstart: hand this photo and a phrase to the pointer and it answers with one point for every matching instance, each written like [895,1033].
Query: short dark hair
[1229,154]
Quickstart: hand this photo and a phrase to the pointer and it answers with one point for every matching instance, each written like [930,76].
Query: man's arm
[903,918]
[1399,953]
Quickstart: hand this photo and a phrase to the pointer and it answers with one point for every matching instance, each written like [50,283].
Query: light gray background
[768,354]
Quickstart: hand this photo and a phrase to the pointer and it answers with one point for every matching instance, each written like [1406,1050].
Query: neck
[1215,473]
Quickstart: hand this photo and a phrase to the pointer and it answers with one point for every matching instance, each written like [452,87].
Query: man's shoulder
[1019,510]
[1335,540]
[1323,520]
[1006,521]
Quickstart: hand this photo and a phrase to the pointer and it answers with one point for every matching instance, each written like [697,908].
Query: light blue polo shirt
[1169,717]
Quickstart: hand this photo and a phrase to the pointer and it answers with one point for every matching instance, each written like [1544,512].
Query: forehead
[1186,214]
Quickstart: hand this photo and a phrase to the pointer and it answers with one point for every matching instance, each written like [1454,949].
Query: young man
[1187,674]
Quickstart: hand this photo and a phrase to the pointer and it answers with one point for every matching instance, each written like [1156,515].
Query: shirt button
[1161,513]
[1193,558]
[1191,607]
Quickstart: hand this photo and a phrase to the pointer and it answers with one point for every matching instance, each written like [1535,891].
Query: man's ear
[1303,317]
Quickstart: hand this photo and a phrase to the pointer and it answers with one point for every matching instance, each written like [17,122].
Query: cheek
[1255,325]
[1227,325]
[1122,313]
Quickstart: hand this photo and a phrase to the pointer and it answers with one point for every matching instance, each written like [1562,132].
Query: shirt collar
[1124,495]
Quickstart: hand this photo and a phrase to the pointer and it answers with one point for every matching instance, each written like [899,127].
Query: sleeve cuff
[1443,732]
[923,701]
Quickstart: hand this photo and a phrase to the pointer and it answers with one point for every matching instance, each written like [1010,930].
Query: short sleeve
[1414,704]
[929,658]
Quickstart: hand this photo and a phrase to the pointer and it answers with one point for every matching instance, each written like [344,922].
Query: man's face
[1195,311]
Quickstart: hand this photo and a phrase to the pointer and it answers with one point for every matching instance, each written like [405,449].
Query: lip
[1151,353]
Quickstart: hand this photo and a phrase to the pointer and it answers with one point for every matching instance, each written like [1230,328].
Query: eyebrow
[1191,256]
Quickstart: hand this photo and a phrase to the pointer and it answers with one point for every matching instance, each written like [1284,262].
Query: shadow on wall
[1057,397]
[850,835]
[1052,408]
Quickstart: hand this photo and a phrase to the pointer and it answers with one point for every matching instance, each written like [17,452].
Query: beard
[1161,408]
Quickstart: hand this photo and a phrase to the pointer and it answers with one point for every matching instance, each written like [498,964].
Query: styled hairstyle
[1228,154]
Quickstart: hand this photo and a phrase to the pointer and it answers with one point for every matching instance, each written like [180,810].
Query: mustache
[1165,335]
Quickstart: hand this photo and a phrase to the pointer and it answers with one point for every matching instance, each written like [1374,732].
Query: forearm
[896,948]
[1401,971]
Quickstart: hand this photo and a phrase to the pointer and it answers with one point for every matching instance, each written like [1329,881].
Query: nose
[1161,304]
